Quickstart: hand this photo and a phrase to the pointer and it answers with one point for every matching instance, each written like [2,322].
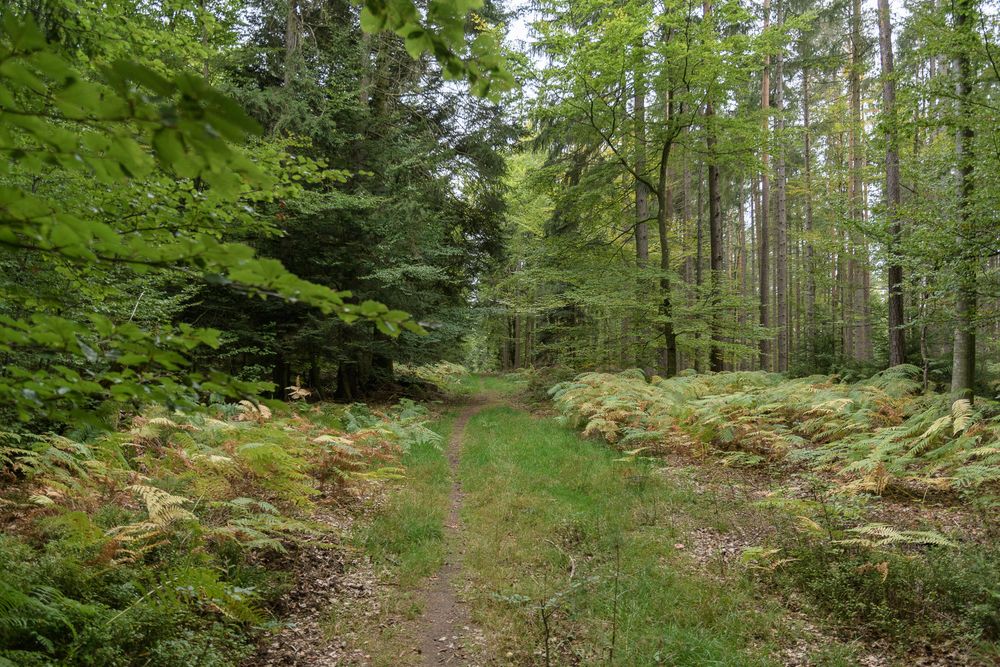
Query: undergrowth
[446,376]
[831,449]
[139,547]
[876,435]
[565,570]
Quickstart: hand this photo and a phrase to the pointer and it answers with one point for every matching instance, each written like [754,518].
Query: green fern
[876,433]
[875,535]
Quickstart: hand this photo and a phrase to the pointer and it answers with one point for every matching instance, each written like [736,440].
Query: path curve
[446,630]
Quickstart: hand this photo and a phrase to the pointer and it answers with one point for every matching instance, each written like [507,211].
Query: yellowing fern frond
[961,414]
[881,534]
[250,411]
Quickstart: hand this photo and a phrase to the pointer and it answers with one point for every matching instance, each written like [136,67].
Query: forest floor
[446,634]
[520,543]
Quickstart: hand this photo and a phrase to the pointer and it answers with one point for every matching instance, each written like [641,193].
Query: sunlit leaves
[442,33]
[124,363]
[162,160]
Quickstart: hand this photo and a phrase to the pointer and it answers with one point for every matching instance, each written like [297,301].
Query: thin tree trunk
[641,197]
[857,267]
[742,273]
[781,226]
[714,225]
[687,201]
[840,294]
[963,369]
[203,15]
[517,341]
[666,197]
[765,203]
[688,218]
[754,215]
[699,262]
[925,358]
[795,318]
[810,269]
[641,190]
[365,82]
[292,37]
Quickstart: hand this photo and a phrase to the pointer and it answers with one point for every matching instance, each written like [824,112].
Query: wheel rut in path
[446,633]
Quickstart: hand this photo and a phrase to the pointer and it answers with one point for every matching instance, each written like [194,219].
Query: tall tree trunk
[641,198]
[754,214]
[203,21]
[687,216]
[857,266]
[810,269]
[714,223]
[641,189]
[699,263]
[963,369]
[665,208]
[529,329]
[925,357]
[795,317]
[741,267]
[365,80]
[715,259]
[518,338]
[897,335]
[781,222]
[764,273]
[293,31]
[838,287]
[505,350]
[666,197]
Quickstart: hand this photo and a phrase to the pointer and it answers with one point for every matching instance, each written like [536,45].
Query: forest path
[445,624]
[569,553]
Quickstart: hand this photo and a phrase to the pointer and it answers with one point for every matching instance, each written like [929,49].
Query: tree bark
[662,223]
[665,201]
[714,225]
[810,269]
[856,343]
[897,335]
[781,222]
[741,266]
[518,334]
[963,369]
[764,270]
[292,38]
[641,189]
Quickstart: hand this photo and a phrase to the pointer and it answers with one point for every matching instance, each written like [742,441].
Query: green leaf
[371,22]
[417,41]
[126,70]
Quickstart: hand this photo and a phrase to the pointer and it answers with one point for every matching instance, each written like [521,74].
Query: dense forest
[304,302]
[797,187]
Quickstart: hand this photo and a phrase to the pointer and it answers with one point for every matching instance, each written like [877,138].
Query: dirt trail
[446,633]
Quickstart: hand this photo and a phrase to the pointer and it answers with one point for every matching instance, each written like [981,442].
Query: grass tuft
[570,553]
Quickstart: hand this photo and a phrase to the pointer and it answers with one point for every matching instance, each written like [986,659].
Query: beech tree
[893,196]
[736,131]
[964,365]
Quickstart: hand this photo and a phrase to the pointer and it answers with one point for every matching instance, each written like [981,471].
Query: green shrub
[943,593]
